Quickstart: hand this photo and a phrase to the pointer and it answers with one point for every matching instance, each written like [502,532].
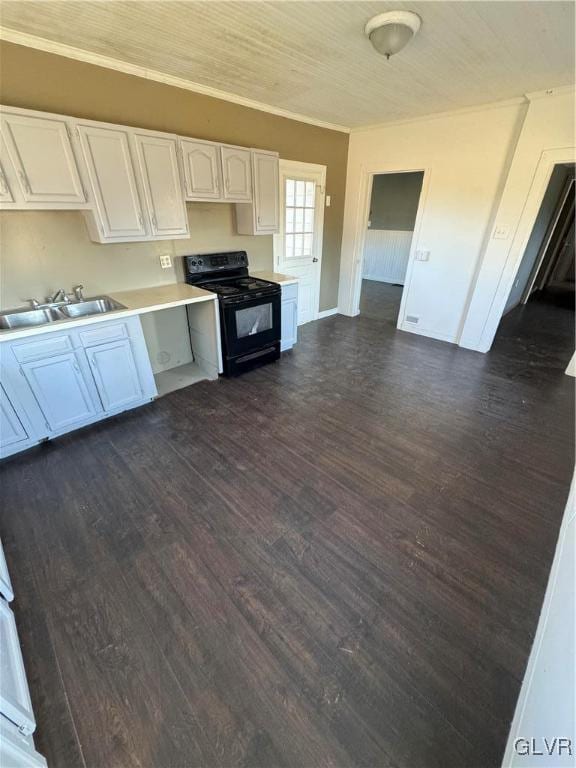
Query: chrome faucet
[33,303]
[78,292]
[59,295]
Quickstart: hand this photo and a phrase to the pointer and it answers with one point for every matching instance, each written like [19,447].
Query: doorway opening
[542,297]
[394,200]
[546,272]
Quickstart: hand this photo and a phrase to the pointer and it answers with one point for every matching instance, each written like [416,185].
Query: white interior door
[298,246]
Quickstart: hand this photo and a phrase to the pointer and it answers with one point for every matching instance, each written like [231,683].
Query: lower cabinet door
[16,749]
[115,373]
[59,387]
[15,701]
[11,429]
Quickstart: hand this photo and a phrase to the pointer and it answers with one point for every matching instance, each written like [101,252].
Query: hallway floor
[380,301]
[337,560]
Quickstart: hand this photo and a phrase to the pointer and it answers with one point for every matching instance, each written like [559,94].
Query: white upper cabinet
[202,170]
[6,195]
[236,173]
[43,159]
[262,216]
[266,191]
[158,160]
[117,197]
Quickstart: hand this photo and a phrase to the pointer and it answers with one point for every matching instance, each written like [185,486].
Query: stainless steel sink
[27,317]
[95,306]
[50,313]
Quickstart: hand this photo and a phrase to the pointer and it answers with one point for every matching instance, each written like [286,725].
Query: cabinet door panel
[11,428]
[60,390]
[266,191]
[159,165]
[115,373]
[42,154]
[111,171]
[201,169]
[237,173]
[15,701]
[289,324]
[6,195]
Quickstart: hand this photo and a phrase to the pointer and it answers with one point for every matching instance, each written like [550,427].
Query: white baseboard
[327,313]
[413,328]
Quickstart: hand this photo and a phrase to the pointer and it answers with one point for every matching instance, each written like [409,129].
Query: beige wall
[465,157]
[42,250]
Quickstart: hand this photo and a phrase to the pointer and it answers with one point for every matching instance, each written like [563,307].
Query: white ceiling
[312,58]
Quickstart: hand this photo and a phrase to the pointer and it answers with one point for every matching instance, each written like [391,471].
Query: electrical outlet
[165,261]
[422,255]
[501,233]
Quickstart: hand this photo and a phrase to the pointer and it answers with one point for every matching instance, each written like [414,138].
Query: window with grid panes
[300,198]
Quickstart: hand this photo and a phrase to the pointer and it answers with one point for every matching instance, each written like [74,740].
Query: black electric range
[250,308]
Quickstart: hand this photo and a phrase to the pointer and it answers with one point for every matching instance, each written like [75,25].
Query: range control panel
[214,262]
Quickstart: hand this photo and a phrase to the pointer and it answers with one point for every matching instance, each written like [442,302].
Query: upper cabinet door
[41,152]
[113,180]
[237,173]
[266,191]
[202,170]
[6,195]
[158,160]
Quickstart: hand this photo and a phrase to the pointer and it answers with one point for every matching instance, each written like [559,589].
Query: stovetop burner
[237,285]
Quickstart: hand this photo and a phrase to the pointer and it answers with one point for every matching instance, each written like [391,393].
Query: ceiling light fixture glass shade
[390,32]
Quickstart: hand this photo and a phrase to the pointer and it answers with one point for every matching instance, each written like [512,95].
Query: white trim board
[327,313]
[99,60]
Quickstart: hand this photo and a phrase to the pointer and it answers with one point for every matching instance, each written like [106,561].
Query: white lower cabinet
[17,722]
[60,390]
[114,370]
[56,382]
[289,326]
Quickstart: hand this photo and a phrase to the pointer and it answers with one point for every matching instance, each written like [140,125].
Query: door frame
[567,192]
[364,199]
[538,186]
[295,167]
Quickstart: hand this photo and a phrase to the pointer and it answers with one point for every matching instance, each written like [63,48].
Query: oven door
[250,323]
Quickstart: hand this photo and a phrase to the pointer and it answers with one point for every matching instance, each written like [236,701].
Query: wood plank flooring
[380,301]
[338,560]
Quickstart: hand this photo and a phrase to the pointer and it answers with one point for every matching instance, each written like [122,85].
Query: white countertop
[275,277]
[136,302]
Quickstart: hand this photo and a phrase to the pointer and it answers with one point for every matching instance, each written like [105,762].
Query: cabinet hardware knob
[25,182]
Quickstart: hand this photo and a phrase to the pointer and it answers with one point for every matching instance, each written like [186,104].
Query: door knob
[314,260]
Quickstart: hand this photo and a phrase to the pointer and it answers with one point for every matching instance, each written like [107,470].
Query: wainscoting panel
[386,254]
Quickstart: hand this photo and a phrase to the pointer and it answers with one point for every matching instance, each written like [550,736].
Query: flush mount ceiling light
[389,32]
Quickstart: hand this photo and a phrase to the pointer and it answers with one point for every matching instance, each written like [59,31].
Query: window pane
[289,246]
[298,245]
[310,190]
[307,248]
[299,220]
[289,219]
[300,192]
[309,220]
[289,191]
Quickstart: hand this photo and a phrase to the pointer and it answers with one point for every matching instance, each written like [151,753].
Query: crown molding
[439,115]
[79,54]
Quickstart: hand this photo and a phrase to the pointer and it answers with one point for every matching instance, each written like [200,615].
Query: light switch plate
[327,201]
[422,255]
[165,261]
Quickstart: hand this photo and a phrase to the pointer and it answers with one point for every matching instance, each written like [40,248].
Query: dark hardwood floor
[338,560]
[380,301]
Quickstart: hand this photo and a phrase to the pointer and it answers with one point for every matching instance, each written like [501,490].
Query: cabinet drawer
[15,701]
[46,346]
[290,291]
[103,333]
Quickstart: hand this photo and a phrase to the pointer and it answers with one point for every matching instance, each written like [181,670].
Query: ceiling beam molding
[79,54]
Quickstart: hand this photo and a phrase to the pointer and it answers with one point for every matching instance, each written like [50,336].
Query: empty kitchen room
[287,365]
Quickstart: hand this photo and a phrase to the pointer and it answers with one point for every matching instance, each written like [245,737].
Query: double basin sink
[51,313]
